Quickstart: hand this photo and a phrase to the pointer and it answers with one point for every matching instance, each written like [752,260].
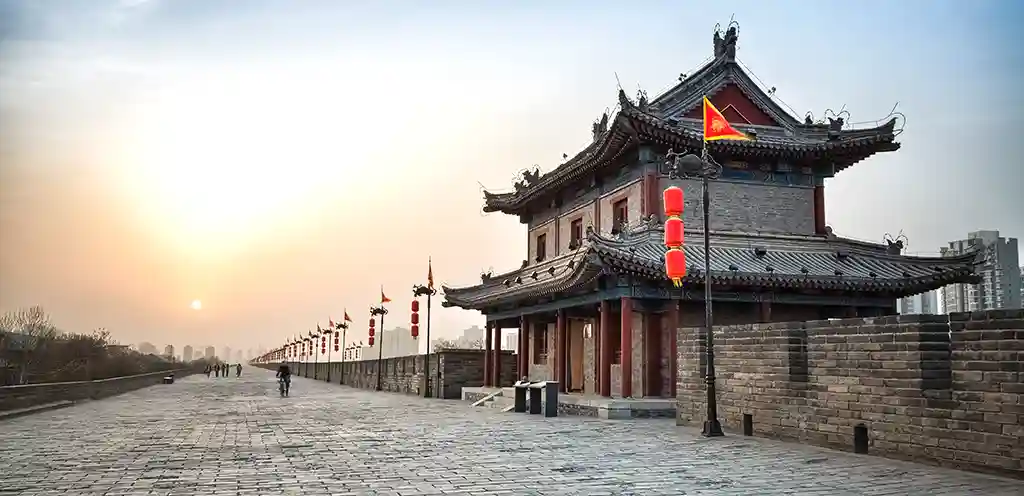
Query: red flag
[318,328]
[384,299]
[347,318]
[330,322]
[716,127]
[430,274]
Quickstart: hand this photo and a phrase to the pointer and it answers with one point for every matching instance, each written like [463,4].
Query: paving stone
[218,436]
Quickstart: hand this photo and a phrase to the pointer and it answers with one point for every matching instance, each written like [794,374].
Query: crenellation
[943,389]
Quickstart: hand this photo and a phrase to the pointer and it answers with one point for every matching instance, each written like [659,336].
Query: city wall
[32,395]
[948,390]
[452,369]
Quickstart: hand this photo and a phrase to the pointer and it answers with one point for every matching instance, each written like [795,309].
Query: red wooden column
[607,351]
[560,349]
[627,347]
[487,355]
[819,209]
[496,360]
[672,326]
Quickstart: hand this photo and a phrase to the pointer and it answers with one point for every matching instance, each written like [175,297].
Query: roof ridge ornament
[600,126]
[725,46]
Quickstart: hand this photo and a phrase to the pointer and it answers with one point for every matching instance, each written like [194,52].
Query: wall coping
[93,381]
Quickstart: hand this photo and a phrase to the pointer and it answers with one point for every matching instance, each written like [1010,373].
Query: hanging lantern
[372,331]
[675,258]
[415,318]
[415,306]
[673,199]
[675,266]
[415,331]
[373,322]
[370,340]
[335,346]
[674,232]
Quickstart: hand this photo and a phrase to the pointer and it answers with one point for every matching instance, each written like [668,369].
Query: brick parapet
[944,389]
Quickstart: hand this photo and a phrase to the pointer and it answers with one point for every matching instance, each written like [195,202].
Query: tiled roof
[737,259]
[560,273]
[788,262]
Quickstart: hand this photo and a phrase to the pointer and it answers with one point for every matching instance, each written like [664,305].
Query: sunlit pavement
[218,436]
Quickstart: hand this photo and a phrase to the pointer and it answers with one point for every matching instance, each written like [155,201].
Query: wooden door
[576,356]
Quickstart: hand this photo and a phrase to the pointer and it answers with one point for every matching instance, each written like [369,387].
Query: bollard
[535,390]
[748,424]
[551,399]
[520,401]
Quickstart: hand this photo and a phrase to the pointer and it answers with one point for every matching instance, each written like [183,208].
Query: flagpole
[712,428]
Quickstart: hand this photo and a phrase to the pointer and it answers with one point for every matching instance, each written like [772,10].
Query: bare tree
[28,331]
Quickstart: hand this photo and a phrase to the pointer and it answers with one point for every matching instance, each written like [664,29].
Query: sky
[282,160]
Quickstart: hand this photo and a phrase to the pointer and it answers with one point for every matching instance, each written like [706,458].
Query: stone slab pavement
[236,436]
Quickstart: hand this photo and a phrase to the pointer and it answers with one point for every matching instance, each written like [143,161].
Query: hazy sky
[280,160]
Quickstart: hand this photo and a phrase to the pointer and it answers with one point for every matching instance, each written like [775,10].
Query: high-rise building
[186,354]
[210,353]
[924,303]
[226,354]
[238,356]
[1000,273]
[511,343]
[147,348]
[169,352]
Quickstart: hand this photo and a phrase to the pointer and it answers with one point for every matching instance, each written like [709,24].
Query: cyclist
[284,374]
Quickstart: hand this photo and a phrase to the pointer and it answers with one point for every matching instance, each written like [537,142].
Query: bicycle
[283,386]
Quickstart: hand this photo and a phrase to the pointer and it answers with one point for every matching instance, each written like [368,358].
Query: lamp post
[705,168]
[428,291]
[314,339]
[343,327]
[380,312]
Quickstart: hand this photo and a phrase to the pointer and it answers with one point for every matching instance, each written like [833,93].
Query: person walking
[238,370]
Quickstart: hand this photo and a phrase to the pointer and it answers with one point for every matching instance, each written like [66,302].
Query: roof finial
[725,46]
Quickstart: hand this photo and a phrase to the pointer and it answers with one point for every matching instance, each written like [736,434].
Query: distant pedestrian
[208,369]
[238,370]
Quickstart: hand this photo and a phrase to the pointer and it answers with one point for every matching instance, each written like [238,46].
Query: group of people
[223,369]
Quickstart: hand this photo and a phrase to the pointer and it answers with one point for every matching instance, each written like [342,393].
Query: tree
[27,331]
[457,344]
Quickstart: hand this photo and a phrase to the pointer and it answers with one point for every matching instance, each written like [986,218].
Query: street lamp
[381,312]
[705,168]
[343,327]
[428,291]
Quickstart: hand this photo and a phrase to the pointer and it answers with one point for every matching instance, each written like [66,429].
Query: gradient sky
[280,160]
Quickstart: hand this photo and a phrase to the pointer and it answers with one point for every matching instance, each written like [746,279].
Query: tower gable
[736,107]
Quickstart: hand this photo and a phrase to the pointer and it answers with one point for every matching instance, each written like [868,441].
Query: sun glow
[197,305]
[214,166]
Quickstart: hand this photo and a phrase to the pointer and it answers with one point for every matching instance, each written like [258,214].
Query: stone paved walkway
[235,436]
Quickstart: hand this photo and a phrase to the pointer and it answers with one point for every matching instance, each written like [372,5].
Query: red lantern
[335,346]
[673,198]
[370,340]
[373,322]
[415,331]
[323,341]
[415,306]
[415,318]
[674,232]
[372,331]
[675,266]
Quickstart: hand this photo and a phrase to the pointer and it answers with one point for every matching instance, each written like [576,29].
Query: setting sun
[197,305]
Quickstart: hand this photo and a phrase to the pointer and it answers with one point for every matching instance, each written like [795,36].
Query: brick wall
[942,389]
[458,369]
[29,395]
